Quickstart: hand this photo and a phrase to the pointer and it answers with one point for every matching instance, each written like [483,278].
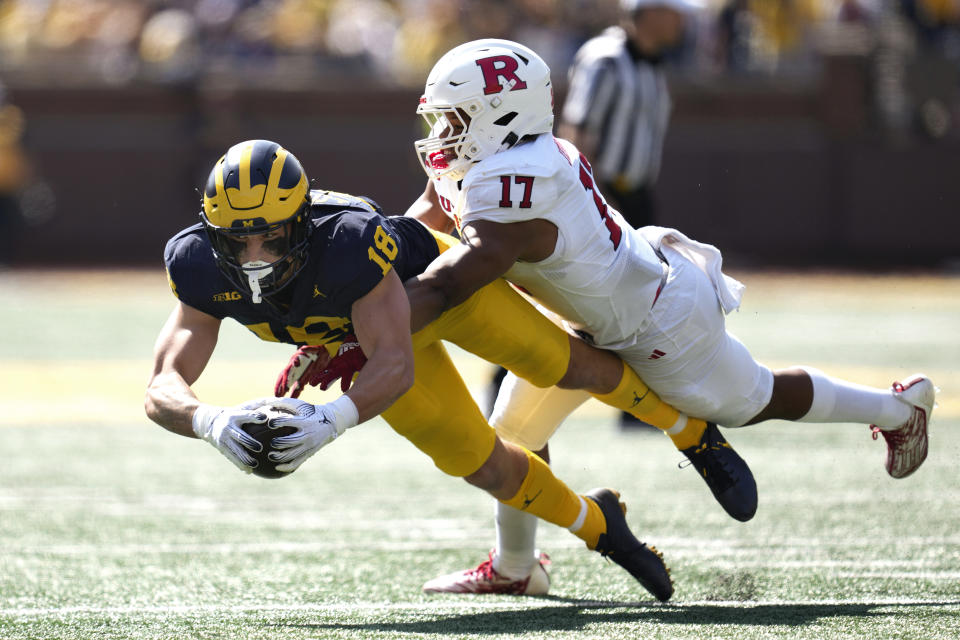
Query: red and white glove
[313,366]
[307,362]
[349,360]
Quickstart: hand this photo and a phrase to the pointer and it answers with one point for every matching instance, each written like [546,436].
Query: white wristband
[345,414]
[203,418]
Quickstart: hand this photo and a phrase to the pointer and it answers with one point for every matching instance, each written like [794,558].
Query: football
[266,468]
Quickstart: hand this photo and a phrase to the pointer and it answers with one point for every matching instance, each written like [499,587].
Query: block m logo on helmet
[496,67]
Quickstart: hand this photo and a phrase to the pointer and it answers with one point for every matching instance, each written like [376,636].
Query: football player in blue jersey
[313,267]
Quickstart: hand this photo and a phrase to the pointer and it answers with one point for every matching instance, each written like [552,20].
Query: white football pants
[684,354]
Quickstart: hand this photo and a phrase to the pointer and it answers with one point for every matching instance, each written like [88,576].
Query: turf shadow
[577,614]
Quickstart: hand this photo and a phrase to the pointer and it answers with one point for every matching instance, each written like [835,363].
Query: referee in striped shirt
[618,105]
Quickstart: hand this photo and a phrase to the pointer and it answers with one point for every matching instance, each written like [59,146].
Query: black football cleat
[619,544]
[725,472]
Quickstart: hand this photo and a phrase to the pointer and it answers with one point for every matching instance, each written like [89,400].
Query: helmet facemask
[261,279]
[450,149]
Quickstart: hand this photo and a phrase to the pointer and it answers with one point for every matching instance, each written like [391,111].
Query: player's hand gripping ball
[264,434]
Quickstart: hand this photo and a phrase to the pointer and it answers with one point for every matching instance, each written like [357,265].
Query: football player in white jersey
[527,209]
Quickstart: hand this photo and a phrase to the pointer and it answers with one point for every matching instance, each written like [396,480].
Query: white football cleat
[485,579]
[907,444]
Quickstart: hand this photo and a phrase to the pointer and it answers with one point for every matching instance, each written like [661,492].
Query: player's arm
[381,321]
[182,351]
[427,210]
[487,252]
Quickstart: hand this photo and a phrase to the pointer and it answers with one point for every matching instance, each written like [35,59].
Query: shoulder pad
[536,158]
[340,201]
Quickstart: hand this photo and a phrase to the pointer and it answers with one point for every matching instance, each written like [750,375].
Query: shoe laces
[686,462]
[896,437]
[485,570]
[893,437]
[712,467]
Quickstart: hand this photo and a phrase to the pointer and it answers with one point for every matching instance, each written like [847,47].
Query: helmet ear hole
[506,119]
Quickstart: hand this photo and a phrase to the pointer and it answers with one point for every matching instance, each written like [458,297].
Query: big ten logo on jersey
[314,330]
[384,250]
[227,296]
[506,191]
[496,67]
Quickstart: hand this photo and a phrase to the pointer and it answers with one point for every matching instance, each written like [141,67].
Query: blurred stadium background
[805,132]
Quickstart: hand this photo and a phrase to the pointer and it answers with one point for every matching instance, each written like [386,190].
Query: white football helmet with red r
[480,98]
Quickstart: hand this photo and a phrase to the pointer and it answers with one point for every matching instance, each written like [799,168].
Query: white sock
[836,400]
[516,542]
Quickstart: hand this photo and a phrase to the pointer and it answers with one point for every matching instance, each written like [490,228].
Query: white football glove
[220,426]
[317,426]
